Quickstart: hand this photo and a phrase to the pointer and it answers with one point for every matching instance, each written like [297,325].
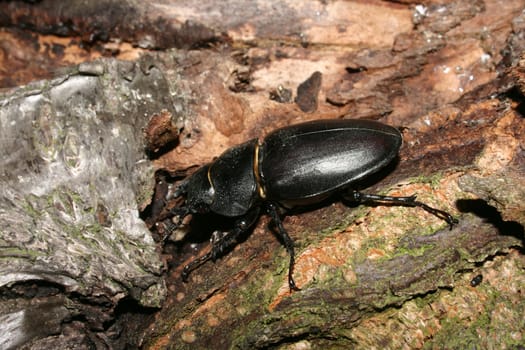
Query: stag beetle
[292,166]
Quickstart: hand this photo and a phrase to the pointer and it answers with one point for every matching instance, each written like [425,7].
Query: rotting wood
[449,75]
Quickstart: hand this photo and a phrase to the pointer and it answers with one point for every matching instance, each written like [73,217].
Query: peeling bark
[73,170]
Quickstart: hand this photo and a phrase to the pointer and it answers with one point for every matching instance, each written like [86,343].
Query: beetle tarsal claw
[451,221]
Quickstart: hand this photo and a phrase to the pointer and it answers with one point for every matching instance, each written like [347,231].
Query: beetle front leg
[220,244]
[287,240]
[409,201]
[167,226]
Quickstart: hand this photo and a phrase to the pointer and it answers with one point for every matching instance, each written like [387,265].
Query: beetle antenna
[410,201]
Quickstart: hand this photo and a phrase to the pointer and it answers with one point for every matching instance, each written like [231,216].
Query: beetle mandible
[295,165]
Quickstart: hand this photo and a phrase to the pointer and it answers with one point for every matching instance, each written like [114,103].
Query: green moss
[433,180]
[13,252]
[417,251]
[454,335]
[483,331]
[30,209]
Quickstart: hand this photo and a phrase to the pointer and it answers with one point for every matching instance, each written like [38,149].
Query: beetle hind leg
[287,241]
[409,201]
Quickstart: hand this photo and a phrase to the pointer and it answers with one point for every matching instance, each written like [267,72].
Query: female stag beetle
[295,165]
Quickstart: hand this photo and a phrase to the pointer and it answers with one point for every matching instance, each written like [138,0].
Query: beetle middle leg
[219,244]
[287,240]
[409,201]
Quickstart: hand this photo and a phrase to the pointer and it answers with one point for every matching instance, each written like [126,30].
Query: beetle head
[198,190]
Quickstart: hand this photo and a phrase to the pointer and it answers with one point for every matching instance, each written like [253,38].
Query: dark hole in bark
[490,214]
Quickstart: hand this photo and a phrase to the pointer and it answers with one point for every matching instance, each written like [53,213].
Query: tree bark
[449,74]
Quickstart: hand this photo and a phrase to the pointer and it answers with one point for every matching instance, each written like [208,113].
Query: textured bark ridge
[100,141]
[73,170]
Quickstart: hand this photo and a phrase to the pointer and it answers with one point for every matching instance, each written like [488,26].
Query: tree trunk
[83,149]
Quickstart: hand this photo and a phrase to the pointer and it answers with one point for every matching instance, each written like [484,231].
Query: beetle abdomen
[314,158]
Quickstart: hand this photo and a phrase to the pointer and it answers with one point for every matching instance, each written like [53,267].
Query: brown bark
[448,73]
